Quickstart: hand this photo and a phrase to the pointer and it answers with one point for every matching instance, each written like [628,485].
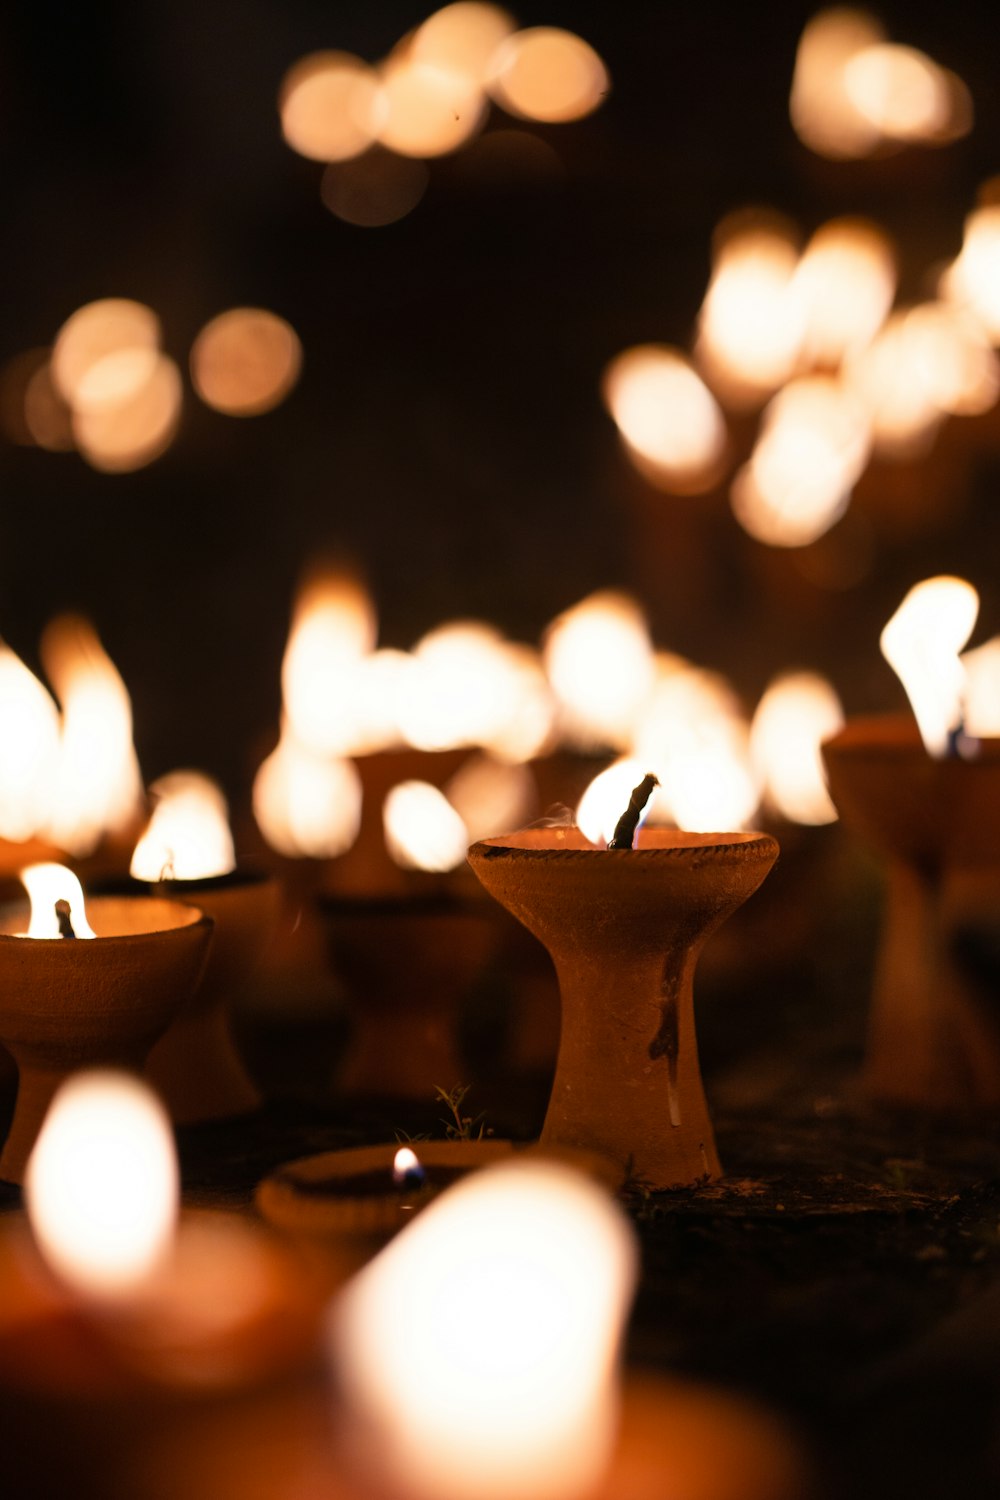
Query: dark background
[447,429]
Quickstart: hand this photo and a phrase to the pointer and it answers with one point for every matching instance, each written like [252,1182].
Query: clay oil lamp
[187,853]
[926,796]
[86,988]
[114,1289]
[624,926]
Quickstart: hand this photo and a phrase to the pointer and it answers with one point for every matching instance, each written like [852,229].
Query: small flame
[188,836]
[599,660]
[307,805]
[102,1185]
[462,688]
[845,282]
[407,1168]
[922,643]
[97,788]
[329,106]
[796,714]
[481,1347]
[29,745]
[422,830]
[667,416]
[333,630]
[46,885]
[607,797]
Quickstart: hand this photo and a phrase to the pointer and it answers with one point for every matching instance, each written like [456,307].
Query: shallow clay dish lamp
[624,927]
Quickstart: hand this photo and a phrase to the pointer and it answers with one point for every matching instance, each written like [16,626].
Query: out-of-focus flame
[813,445]
[845,282]
[101,331]
[406,1167]
[854,92]
[468,686]
[751,322]
[97,786]
[32,412]
[188,836]
[922,643]
[129,410]
[307,805]
[607,797]
[599,661]
[667,416]
[29,745]
[427,109]
[333,630]
[422,830]
[524,725]
[895,379]
[797,713]
[46,884]
[245,361]
[491,796]
[329,105]
[544,73]
[481,1348]
[951,358]
[982,690]
[375,189]
[694,736]
[102,1185]
[462,38]
[973,280]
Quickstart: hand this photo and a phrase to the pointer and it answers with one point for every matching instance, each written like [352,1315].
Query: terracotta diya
[625,928]
[67,1003]
[933,1037]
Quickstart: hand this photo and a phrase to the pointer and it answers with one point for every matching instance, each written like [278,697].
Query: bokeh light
[667,416]
[245,361]
[375,189]
[329,105]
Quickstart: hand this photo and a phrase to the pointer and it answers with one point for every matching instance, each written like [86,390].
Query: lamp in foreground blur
[476,1358]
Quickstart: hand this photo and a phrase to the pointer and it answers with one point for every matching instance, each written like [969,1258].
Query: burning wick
[407,1169]
[64,919]
[625,828]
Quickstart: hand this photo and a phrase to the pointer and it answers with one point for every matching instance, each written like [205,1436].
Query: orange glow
[46,884]
[97,786]
[751,323]
[378,188]
[813,445]
[187,837]
[905,95]
[333,630]
[329,105]
[429,110]
[599,661]
[95,332]
[462,38]
[422,830]
[544,73]
[491,796]
[981,698]
[845,282]
[922,643]
[667,415]
[973,280]
[134,411]
[245,361]
[797,713]
[29,745]
[307,805]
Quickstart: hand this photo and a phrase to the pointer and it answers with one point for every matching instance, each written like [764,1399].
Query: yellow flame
[329,104]
[845,282]
[922,642]
[491,796]
[102,1185]
[813,445]
[46,884]
[187,837]
[607,797]
[405,1161]
[97,787]
[599,661]
[544,73]
[307,805]
[751,323]
[462,38]
[96,332]
[667,415]
[481,1348]
[332,632]
[982,690]
[798,711]
[422,830]
[29,745]
[427,109]
[245,361]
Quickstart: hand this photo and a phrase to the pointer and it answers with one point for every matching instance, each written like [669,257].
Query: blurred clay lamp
[187,853]
[624,926]
[927,797]
[86,988]
[116,1286]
